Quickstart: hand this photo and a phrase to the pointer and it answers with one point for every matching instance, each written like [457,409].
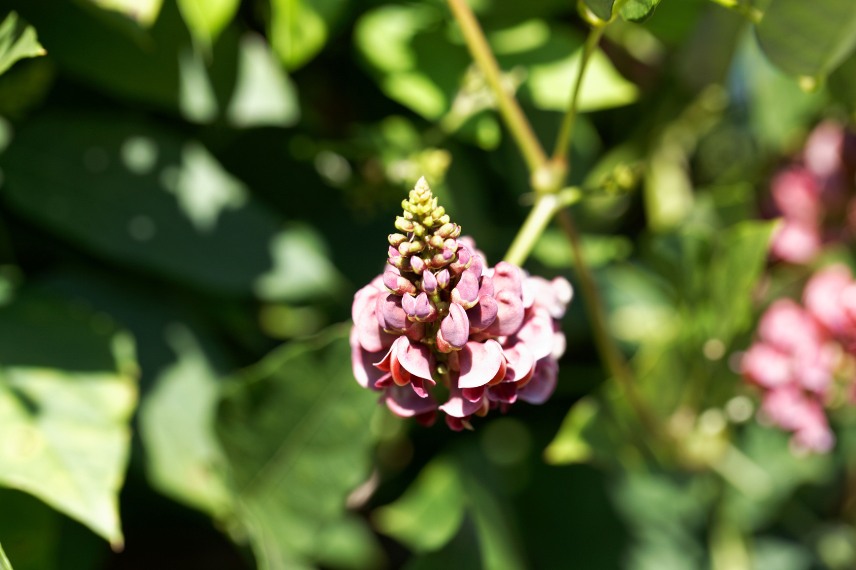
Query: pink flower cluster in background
[815,195]
[440,331]
[803,357]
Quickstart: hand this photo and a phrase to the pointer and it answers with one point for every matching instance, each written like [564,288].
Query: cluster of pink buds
[815,195]
[441,326]
[803,358]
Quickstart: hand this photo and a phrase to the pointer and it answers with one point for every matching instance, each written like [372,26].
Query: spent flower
[441,331]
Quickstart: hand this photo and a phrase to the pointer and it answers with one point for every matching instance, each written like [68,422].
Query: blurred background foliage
[193,190]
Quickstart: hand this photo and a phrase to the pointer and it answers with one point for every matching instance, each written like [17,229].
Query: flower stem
[512,114]
[605,343]
[547,177]
[563,140]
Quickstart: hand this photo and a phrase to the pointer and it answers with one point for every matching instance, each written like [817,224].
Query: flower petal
[459,407]
[403,402]
[543,382]
[480,363]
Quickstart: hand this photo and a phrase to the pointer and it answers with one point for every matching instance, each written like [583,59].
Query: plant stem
[606,346]
[539,217]
[512,114]
[548,201]
[563,140]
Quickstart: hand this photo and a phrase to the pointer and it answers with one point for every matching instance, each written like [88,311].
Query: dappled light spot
[204,190]
[333,167]
[139,154]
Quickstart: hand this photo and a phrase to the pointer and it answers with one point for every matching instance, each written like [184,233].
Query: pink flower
[796,241]
[488,335]
[794,360]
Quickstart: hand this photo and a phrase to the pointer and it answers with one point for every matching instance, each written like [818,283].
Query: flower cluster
[439,325]
[815,195]
[803,358]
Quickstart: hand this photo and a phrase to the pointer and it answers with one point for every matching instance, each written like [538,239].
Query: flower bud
[403,225]
[396,239]
[417,264]
[397,284]
[462,262]
[429,283]
[466,292]
[390,314]
[454,330]
[446,231]
[443,278]
[419,308]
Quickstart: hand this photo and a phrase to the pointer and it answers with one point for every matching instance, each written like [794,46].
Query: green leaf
[300,28]
[264,94]
[207,18]
[638,10]
[17,41]
[145,12]
[601,8]
[165,204]
[295,430]
[429,513]
[4,562]
[550,84]
[185,459]
[67,393]
[737,264]
[842,83]
[570,445]
[31,538]
[808,38]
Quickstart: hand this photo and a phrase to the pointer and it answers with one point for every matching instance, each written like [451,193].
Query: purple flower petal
[483,314]
[416,358]
[404,402]
[466,292]
[505,392]
[455,328]
[429,282]
[397,284]
[443,279]
[508,277]
[537,332]
[390,314]
[543,382]
[509,315]
[459,407]
[419,308]
[521,363]
[362,362]
[480,363]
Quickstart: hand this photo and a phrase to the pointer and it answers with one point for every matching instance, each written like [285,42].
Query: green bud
[436,241]
[396,239]
[403,224]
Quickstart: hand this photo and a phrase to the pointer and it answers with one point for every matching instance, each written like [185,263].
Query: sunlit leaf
[300,28]
[177,428]
[601,8]
[808,38]
[264,94]
[295,432]
[164,204]
[143,11]
[638,10]
[550,84]
[569,445]
[4,562]
[17,41]
[66,396]
[207,18]
[429,513]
